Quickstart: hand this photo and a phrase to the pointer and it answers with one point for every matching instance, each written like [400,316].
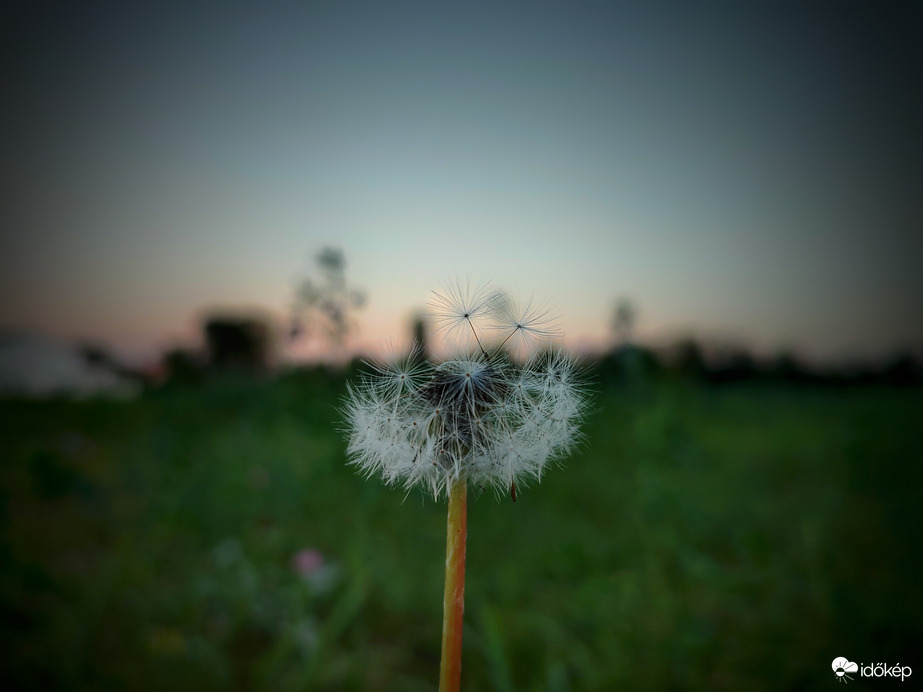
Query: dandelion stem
[454,599]
[478,340]
[509,337]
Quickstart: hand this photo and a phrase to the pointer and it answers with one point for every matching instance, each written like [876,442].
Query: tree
[623,320]
[242,343]
[326,304]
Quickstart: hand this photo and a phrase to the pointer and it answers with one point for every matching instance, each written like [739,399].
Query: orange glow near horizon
[741,176]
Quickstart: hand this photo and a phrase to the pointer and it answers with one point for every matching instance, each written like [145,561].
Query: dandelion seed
[460,310]
[522,326]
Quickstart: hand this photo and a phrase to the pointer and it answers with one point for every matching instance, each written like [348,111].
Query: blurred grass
[734,538]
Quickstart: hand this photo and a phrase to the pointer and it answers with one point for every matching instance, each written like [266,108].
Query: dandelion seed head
[481,416]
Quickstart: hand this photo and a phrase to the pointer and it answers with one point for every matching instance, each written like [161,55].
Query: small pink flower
[307,561]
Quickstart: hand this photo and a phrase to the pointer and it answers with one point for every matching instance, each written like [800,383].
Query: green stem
[454,599]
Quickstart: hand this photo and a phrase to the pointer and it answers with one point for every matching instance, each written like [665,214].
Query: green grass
[736,538]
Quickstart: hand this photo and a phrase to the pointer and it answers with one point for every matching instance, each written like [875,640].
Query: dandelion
[482,417]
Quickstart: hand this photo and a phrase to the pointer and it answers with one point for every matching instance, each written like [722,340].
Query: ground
[737,537]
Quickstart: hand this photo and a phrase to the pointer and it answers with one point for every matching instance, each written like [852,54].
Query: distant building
[38,366]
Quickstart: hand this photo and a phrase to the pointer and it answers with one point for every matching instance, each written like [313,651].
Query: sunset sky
[748,174]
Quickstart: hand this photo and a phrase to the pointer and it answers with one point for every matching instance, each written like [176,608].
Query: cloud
[847,666]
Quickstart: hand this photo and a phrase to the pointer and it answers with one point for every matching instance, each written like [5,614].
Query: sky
[749,175]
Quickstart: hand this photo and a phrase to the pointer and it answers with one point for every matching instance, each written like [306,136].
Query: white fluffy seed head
[483,417]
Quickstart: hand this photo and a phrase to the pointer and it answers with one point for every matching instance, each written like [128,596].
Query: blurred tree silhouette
[787,368]
[689,360]
[623,320]
[183,365]
[733,364]
[238,342]
[902,369]
[326,304]
[626,362]
[419,334]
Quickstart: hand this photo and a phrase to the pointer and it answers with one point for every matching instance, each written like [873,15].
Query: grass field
[729,538]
